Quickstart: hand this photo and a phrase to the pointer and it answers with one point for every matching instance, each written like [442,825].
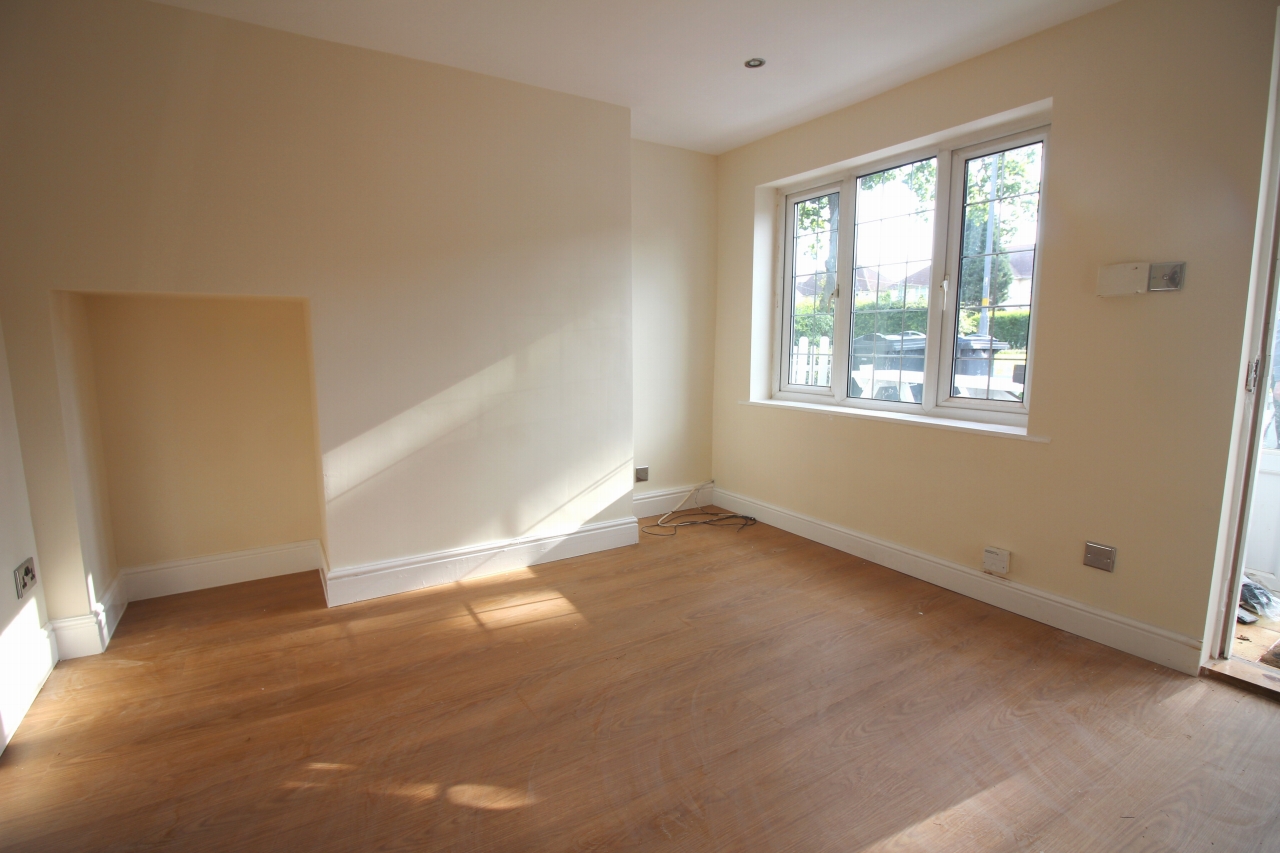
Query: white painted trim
[360,583]
[178,576]
[909,418]
[112,606]
[1249,411]
[666,500]
[79,636]
[1119,632]
[55,655]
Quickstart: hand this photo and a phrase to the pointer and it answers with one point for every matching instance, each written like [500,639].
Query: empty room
[842,425]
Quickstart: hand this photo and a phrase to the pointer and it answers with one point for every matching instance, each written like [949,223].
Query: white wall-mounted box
[1123,279]
[995,560]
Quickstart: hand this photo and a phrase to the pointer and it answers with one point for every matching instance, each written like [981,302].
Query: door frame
[1255,370]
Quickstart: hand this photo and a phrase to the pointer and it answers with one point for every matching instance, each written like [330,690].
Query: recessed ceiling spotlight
[754,63]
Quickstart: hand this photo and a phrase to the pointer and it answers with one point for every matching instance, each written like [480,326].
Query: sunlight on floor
[490,797]
[512,599]
[523,614]
[489,612]
[458,616]
[498,577]
[422,793]
[984,815]
[484,797]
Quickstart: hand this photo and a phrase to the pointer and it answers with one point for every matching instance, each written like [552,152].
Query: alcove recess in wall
[191,422]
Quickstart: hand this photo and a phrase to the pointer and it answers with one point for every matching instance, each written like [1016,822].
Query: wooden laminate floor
[712,691]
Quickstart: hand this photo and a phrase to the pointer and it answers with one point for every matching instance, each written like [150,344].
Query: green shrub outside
[1009,326]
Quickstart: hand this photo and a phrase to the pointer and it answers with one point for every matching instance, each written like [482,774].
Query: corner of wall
[763,271]
[78,394]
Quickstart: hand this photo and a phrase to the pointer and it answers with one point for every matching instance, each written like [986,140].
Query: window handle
[946,285]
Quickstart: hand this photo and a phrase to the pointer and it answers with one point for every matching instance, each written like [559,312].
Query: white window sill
[902,417]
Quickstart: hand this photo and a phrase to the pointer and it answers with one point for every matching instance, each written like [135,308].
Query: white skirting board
[81,636]
[1173,650]
[221,569]
[666,500]
[112,607]
[360,583]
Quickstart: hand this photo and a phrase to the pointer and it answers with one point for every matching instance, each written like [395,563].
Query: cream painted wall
[25,649]
[207,424]
[673,273]
[1158,116]
[463,242]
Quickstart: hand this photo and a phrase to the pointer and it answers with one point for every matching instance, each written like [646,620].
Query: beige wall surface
[207,424]
[463,242]
[673,273]
[1158,115]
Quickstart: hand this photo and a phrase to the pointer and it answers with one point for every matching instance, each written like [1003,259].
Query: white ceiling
[678,63]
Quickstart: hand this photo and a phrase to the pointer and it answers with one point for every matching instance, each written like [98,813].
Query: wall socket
[24,577]
[1100,556]
[642,474]
[995,560]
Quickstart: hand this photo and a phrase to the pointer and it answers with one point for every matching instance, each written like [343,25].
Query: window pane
[814,252]
[812,291]
[818,215]
[811,350]
[893,275]
[997,258]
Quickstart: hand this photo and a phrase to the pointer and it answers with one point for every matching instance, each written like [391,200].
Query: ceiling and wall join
[678,64]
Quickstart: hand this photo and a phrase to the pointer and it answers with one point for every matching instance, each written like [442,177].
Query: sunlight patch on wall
[592,488]
[398,438]
[28,658]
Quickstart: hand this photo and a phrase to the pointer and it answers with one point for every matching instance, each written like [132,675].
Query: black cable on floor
[690,516]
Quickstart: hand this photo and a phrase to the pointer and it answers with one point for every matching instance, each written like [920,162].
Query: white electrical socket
[995,561]
[24,577]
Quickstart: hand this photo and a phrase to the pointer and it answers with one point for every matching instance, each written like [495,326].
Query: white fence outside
[811,365]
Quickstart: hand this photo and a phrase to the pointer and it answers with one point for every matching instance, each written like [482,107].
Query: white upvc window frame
[782,379]
[936,402]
